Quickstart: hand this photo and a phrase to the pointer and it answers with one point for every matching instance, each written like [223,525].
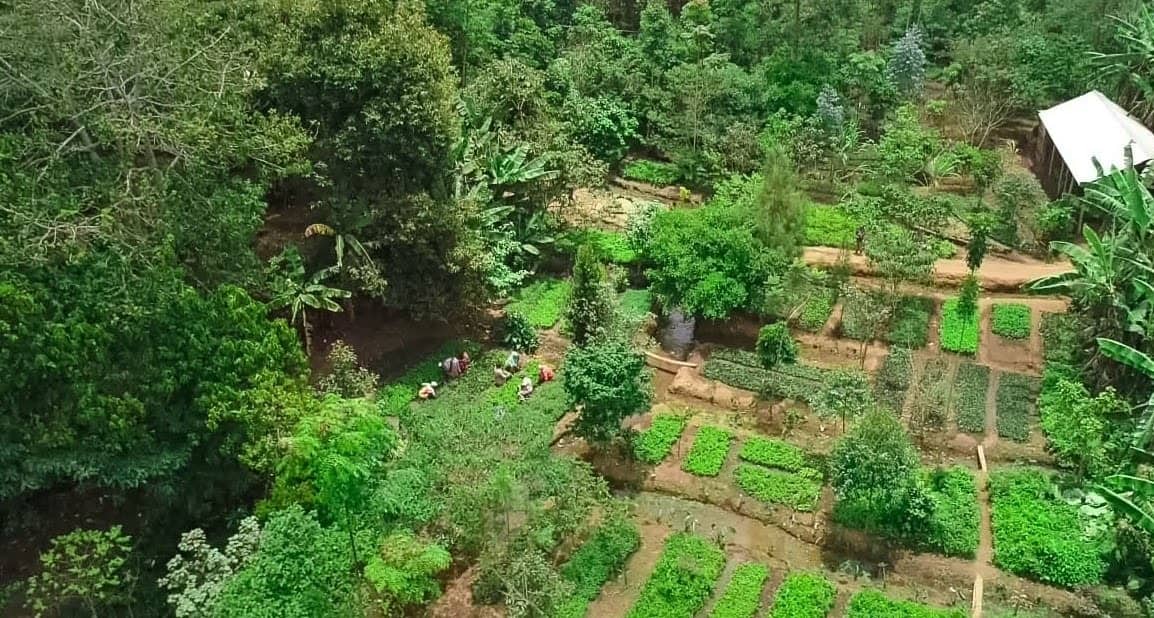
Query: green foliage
[800,491]
[610,382]
[875,604]
[1011,320]
[775,345]
[346,377]
[1079,428]
[816,310]
[742,369]
[907,66]
[863,315]
[968,296]
[929,407]
[773,453]
[589,308]
[910,324]
[958,331]
[609,247]
[639,226]
[634,305]
[394,398]
[404,571]
[198,573]
[893,379]
[597,561]
[780,209]
[603,125]
[875,462]
[682,580]
[743,594]
[653,444]
[906,146]
[829,226]
[970,386]
[89,568]
[709,450]
[542,302]
[519,333]
[653,172]
[1038,536]
[846,394]
[804,595]
[1014,398]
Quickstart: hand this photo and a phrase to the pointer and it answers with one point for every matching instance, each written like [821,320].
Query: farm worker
[451,367]
[465,361]
[500,376]
[428,391]
[513,362]
[526,388]
[860,240]
[545,374]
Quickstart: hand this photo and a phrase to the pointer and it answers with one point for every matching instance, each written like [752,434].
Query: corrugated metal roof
[1094,127]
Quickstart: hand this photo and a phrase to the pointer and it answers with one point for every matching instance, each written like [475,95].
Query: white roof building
[1092,127]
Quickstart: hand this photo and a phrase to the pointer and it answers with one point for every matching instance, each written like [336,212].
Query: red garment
[545,374]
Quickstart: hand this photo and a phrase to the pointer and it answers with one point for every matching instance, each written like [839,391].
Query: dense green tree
[590,305]
[775,345]
[610,382]
[876,465]
[780,211]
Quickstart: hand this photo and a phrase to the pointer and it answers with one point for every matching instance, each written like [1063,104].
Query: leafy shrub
[743,594]
[1038,536]
[682,580]
[1015,393]
[773,453]
[816,311]
[797,490]
[910,324]
[597,561]
[1084,431]
[1011,320]
[519,334]
[589,308]
[404,571]
[639,225]
[970,387]
[803,595]
[88,567]
[829,226]
[610,381]
[775,345]
[653,444]
[874,604]
[542,302]
[653,172]
[859,311]
[958,330]
[893,379]
[710,448]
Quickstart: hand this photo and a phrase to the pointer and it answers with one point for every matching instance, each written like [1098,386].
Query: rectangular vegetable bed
[743,594]
[653,444]
[598,560]
[1011,320]
[1015,394]
[970,387]
[874,604]
[800,491]
[683,579]
[709,450]
[803,595]
[958,332]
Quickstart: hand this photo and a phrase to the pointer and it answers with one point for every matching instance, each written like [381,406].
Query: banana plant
[300,294]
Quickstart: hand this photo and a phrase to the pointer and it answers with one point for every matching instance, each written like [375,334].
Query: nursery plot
[959,330]
[710,448]
[743,594]
[742,369]
[970,385]
[653,444]
[816,311]
[875,604]
[597,561]
[773,453]
[910,324]
[803,595]
[1015,396]
[683,579]
[1011,320]
[800,491]
[931,398]
[893,379]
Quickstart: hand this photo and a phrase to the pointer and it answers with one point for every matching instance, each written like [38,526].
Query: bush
[743,594]
[816,311]
[1038,536]
[930,404]
[610,381]
[829,226]
[653,172]
[653,444]
[710,448]
[541,302]
[893,379]
[775,346]
[970,387]
[597,561]
[519,334]
[589,308]
[874,604]
[682,580]
[1011,320]
[773,453]
[804,595]
[1015,393]
[858,316]
[958,330]
[800,491]
[910,325]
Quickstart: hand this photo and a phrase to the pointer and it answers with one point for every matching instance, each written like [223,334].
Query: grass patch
[682,580]
[652,172]
[541,302]
[803,595]
[800,491]
[773,453]
[874,604]
[829,226]
[958,332]
[710,448]
[1015,393]
[1011,320]
[598,560]
[653,444]
[970,386]
[1039,536]
[910,326]
[893,379]
[634,305]
[743,594]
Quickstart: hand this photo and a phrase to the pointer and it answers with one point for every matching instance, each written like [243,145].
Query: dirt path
[1001,274]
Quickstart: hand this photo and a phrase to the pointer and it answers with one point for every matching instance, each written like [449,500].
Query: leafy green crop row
[910,325]
[829,226]
[682,580]
[709,450]
[653,444]
[1015,393]
[958,331]
[874,604]
[611,247]
[804,595]
[741,369]
[1037,535]
[797,490]
[653,172]
[893,379]
[931,400]
[1011,320]
[970,387]
[394,398]
[773,453]
[743,594]
[541,302]
[815,313]
[597,561]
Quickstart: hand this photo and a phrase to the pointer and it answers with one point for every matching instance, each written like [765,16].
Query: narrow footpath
[997,274]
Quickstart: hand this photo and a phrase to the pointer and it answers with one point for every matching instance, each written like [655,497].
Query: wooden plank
[976,602]
[982,458]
